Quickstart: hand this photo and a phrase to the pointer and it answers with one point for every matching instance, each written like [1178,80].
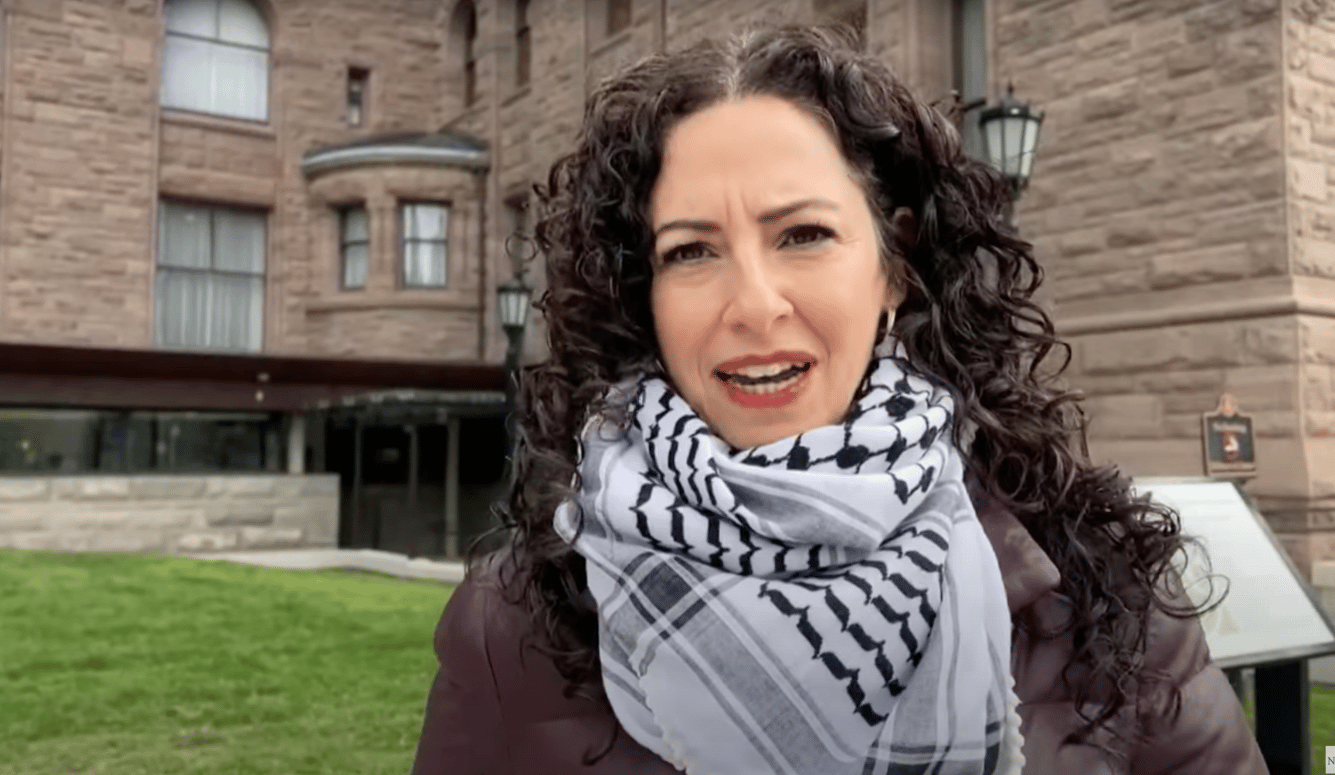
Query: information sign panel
[1269,613]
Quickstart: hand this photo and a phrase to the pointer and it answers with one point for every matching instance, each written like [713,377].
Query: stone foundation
[169,513]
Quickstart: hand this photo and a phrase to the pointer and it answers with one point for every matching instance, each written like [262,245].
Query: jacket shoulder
[1205,730]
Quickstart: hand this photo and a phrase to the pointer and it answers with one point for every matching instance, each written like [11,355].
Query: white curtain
[424,244]
[355,241]
[216,59]
[210,278]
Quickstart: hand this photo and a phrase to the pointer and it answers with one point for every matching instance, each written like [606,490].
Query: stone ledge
[389,563]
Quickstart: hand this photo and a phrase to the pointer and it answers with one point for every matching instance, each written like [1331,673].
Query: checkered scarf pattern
[821,605]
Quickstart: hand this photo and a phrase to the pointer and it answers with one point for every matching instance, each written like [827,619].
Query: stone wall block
[1317,394]
[1125,417]
[91,488]
[1126,351]
[1269,341]
[1103,384]
[1307,179]
[320,485]
[128,542]
[1195,380]
[1284,425]
[228,513]
[24,489]
[167,487]
[161,518]
[250,486]
[207,542]
[98,519]
[55,541]
[271,537]
[1182,426]
[1319,424]
[18,521]
[287,487]
[1193,403]
[1316,340]
[1264,388]
[1214,264]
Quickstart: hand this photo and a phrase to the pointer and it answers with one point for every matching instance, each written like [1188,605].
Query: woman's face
[768,279]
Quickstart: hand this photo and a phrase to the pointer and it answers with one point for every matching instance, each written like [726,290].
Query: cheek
[676,326]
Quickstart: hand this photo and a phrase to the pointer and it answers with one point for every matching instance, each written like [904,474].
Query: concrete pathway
[375,560]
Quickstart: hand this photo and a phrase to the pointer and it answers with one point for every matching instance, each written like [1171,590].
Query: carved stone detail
[1310,11]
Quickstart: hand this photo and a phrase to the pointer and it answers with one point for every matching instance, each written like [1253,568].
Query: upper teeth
[768,370]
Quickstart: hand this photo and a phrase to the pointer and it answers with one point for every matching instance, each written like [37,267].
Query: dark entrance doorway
[400,489]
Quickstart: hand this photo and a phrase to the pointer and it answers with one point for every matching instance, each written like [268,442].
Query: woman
[793,492]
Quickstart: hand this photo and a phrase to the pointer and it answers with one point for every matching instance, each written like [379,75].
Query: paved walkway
[362,559]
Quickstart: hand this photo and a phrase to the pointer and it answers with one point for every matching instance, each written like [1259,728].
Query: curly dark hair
[968,322]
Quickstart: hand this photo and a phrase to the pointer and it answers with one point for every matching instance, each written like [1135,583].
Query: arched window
[216,59]
[463,37]
[523,50]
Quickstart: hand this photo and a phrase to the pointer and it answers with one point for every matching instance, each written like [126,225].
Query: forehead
[760,147]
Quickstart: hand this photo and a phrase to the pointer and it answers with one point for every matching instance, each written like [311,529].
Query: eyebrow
[766,217]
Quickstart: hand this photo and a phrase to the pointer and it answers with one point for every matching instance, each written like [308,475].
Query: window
[463,35]
[76,441]
[210,277]
[424,227]
[970,66]
[618,16]
[216,59]
[523,50]
[354,245]
[357,79]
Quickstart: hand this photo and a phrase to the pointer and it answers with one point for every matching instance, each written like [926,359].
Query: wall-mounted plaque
[1228,445]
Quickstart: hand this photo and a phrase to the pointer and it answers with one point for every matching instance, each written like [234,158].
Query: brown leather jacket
[498,709]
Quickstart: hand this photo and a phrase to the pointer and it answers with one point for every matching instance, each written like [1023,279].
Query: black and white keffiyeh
[822,605]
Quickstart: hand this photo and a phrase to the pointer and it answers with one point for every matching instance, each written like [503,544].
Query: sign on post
[1269,618]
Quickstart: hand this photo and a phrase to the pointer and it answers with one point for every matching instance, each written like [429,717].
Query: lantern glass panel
[1012,129]
[993,136]
[1030,145]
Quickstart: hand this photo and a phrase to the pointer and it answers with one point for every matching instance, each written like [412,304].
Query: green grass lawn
[128,664]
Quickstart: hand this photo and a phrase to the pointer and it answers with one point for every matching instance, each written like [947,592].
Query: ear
[903,229]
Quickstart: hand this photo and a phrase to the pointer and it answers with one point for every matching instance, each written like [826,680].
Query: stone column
[296,444]
[452,489]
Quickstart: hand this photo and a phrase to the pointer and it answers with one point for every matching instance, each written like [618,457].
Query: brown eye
[807,234]
[688,252]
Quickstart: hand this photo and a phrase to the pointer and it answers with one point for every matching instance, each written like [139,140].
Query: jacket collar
[1026,569]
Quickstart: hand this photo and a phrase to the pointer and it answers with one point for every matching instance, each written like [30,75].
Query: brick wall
[172,513]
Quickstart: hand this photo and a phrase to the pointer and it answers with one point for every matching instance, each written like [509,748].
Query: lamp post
[512,305]
[1010,129]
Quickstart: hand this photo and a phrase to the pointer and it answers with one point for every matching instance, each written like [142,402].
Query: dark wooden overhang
[38,375]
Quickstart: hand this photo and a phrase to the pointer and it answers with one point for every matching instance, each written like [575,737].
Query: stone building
[309,202]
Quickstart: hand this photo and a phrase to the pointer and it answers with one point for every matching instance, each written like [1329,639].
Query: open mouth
[764,379]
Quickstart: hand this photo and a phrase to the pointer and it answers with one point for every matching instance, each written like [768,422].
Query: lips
[728,369]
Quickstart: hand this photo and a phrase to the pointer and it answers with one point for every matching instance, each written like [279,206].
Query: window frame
[404,240]
[212,208]
[214,43]
[359,77]
[344,243]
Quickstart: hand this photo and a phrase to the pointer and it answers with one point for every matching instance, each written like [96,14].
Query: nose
[758,299]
